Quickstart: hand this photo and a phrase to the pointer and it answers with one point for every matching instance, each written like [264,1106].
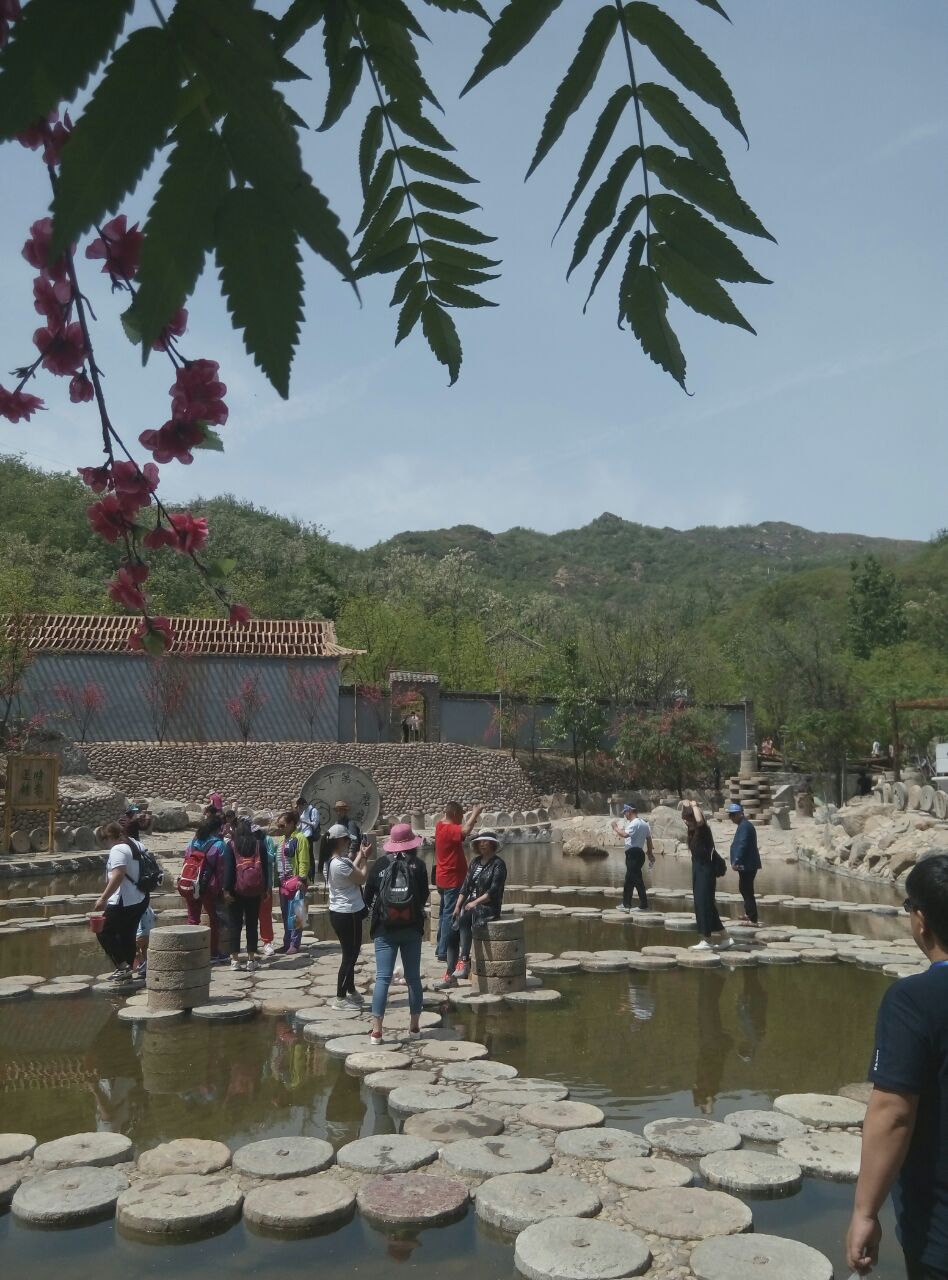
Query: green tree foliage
[676,747]
[579,717]
[876,609]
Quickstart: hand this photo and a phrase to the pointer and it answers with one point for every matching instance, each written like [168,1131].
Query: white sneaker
[355,1001]
[723,946]
[620,907]
[251,966]
[235,966]
[268,948]
[339,1003]
[701,946]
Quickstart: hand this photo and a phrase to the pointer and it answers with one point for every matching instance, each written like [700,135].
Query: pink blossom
[173,329]
[59,135]
[184,532]
[36,250]
[97,478]
[17,405]
[197,394]
[80,388]
[120,245]
[133,484]
[158,631]
[124,586]
[51,299]
[173,442]
[109,518]
[64,351]
[239,615]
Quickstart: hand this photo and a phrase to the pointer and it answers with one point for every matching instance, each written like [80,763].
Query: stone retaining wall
[270,774]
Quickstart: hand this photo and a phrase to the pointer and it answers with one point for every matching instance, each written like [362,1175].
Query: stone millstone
[16,1146]
[399,1020]
[515,1201]
[14,990]
[181,1204]
[555,966]
[11,1175]
[410,1098]
[765,1126]
[225,1010]
[387,1153]
[825,1155]
[453,1051]
[61,989]
[65,1197]
[412,1200]
[751,1171]
[299,1204]
[144,1013]
[686,1213]
[577,1249]
[343,1046]
[821,1110]
[184,1155]
[313,1030]
[97,1149]
[465,999]
[179,937]
[442,1127]
[757,1257]
[488,1157]
[394,1078]
[645,1174]
[484,1072]
[510,1094]
[644,962]
[562,1115]
[861,1091]
[371,1060]
[691,1136]
[544,995]
[282,1158]
[601,1144]
[509,929]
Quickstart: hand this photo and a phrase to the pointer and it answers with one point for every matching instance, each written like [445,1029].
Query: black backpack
[397,905]
[150,874]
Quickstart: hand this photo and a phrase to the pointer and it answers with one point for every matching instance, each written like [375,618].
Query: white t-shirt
[344,895]
[128,893]
[637,833]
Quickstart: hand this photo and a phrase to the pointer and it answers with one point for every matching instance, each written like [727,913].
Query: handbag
[291,887]
[718,865]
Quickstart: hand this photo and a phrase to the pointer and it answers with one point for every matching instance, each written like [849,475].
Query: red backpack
[248,882]
[198,871]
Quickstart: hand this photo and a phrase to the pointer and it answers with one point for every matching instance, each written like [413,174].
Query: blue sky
[831,418]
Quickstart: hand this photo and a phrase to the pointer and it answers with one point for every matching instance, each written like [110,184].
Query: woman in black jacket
[703,879]
[246,882]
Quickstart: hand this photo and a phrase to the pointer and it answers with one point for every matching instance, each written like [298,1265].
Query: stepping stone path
[412,1200]
[486,1072]
[225,1010]
[686,1213]
[67,1197]
[542,995]
[184,1155]
[387,1153]
[515,1201]
[142,1013]
[10,1178]
[300,1204]
[388,1079]
[411,1098]
[442,1127]
[821,1110]
[757,1257]
[281,1158]
[555,966]
[518,1093]
[751,1171]
[372,1060]
[645,1174]
[343,1046]
[765,1126]
[488,1157]
[825,1155]
[577,1249]
[601,1144]
[181,1204]
[96,1149]
[16,1146]
[562,1115]
[692,1136]
[453,1051]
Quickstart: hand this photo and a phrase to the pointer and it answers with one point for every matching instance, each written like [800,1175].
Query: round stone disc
[412,1200]
[366,1062]
[184,1155]
[757,1257]
[825,1155]
[578,1249]
[751,1171]
[61,989]
[388,1079]
[281,1158]
[691,1136]
[342,1046]
[97,1149]
[142,1013]
[11,1175]
[861,1091]
[16,1146]
[387,1153]
[542,995]
[225,1010]
[555,966]
[181,1204]
[453,1051]
[299,1204]
[488,1157]
[645,962]
[765,1126]
[515,1201]
[484,1072]
[645,1174]
[442,1127]
[821,1110]
[518,1093]
[562,1115]
[411,1098]
[601,1144]
[686,1213]
[326,1031]
[65,1197]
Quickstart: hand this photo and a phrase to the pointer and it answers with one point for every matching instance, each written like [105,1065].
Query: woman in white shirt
[345,874]
[121,900]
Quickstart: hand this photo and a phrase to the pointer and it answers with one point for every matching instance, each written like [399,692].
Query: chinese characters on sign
[32,783]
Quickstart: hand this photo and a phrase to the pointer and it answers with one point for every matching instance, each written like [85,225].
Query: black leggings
[243,912]
[348,929]
[117,938]
[745,883]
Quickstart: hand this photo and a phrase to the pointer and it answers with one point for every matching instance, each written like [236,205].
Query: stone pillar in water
[179,966]
[499,956]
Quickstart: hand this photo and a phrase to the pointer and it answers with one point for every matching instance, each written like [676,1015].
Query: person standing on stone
[396,893]
[342,819]
[246,880]
[905,1132]
[745,859]
[344,873]
[136,821]
[266,902]
[638,844]
[703,879]
[208,843]
[310,822]
[450,870]
[293,865]
[122,902]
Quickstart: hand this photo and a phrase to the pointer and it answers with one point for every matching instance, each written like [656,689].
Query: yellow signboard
[32,783]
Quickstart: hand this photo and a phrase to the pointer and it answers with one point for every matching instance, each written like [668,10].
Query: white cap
[337,831]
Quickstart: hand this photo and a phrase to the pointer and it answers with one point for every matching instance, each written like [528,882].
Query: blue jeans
[449,898]
[388,944]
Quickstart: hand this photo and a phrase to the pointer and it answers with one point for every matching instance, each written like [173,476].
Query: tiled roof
[261,637]
[413,677]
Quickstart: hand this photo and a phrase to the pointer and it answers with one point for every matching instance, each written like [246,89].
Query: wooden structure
[32,783]
[911,704]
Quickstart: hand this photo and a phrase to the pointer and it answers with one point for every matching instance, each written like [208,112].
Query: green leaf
[671,114]
[248,31]
[315,221]
[701,242]
[179,231]
[381,181]
[459,275]
[437,197]
[55,47]
[602,136]
[717,196]
[699,291]
[298,19]
[713,4]
[344,79]
[408,117]
[116,137]
[645,306]
[578,81]
[388,211]
[436,166]
[623,225]
[603,205]
[410,313]
[455,296]
[370,144]
[210,440]
[516,26]
[260,273]
[219,570]
[391,260]
[442,336]
[682,58]
[405,283]
[636,250]
[393,238]
[461,6]
[396,11]
[441,252]
[436,224]
[393,55]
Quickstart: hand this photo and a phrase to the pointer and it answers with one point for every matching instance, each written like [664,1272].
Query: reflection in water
[751,1013]
[714,1044]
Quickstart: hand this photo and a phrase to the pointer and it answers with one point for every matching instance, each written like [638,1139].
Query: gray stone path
[579,1249]
[758,1257]
[514,1201]
[300,1204]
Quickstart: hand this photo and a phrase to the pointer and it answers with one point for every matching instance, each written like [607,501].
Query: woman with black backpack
[396,894]
[246,880]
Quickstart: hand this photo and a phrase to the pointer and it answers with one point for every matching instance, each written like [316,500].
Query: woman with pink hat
[396,894]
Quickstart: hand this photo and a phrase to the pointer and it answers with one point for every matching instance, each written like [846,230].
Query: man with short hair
[638,842]
[905,1132]
[450,872]
[745,859]
[342,819]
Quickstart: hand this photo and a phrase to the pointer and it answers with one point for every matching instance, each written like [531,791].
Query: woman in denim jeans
[401,938]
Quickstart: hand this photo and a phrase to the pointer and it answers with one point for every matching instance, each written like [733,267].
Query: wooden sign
[32,783]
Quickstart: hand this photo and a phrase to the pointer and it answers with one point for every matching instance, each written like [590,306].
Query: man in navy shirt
[905,1133]
[745,859]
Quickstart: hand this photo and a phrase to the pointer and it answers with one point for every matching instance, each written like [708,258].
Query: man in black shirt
[905,1133]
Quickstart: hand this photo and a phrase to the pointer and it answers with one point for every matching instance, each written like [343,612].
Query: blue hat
[735,808]
[629,808]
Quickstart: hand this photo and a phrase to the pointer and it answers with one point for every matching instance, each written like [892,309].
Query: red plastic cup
[97,921]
